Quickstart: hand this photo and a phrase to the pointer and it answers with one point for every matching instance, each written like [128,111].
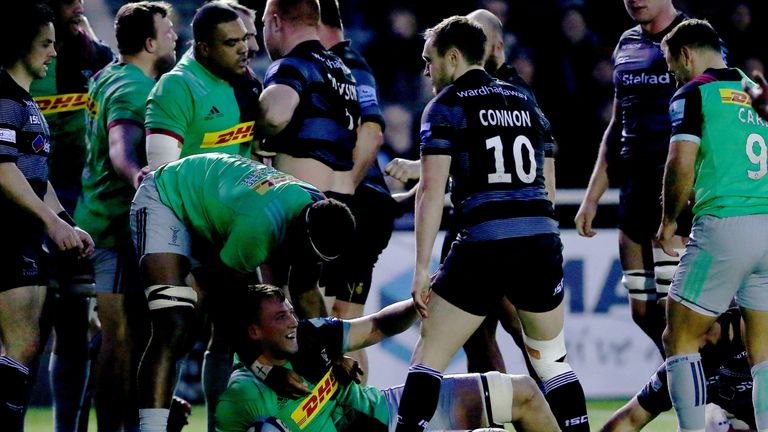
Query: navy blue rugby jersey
[368,97]
[324,125]
[497,138]
[644,88]
[24,140]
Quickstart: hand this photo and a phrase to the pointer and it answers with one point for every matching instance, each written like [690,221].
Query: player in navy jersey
[311,111]
[31,209]
[349,278]
[727,372]
[490,137]
[634,148]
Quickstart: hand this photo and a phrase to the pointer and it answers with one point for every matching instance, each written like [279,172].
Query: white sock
[153,419]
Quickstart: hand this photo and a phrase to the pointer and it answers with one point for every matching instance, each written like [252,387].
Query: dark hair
[693,33]
[330,14]
[305,11]
[461,33]
[237,7]
[208,17]
[248,306]
[135,23]
[330,227]
[25,20]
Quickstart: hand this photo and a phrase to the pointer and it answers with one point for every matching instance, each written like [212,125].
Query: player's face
[165,43]
[645,11]
[70,14]
[677,67]
[277,329]
[271,39]
[41,53]
[436,68]
[251,42]
[228,51]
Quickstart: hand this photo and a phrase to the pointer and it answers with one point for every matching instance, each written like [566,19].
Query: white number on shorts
[760,158]
[500,176]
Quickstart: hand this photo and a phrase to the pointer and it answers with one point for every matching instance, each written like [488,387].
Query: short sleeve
[12,118]
[289,71]
[686,116]
[128,103]
[170,107]
[367,97]
[439,126]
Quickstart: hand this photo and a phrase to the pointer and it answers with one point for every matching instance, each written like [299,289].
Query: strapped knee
[500,397]
[547,357]
[639,284]
[166,296]
[664,267]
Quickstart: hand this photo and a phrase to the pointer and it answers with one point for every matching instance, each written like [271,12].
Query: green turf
[39,418]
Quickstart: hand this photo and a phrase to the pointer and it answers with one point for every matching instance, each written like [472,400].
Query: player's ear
[149,45]
[254,332]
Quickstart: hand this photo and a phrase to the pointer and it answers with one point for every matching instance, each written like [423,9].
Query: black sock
[13,393]
[566,399]
[419,401]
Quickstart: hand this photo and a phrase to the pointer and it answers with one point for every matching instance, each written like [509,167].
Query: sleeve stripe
[119,122]
[685,137]
[171,134]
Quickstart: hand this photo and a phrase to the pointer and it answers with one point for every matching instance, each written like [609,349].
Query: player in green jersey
[114,168]
[717,152]
[193,108]
[220,216]
[271,338]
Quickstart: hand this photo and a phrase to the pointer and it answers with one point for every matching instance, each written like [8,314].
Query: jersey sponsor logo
[366,94]
[629,79]
[313,403]
[237,134]
[34,119]
[264,186]
[60,103]
[730,96]
[93,107]
[8,135]
[213,113]
[676,111]
[486,90]
[40,143]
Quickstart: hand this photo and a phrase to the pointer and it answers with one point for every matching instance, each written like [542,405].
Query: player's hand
[346,370]
[758,94]
[403,170]
[64,236]
[420,291]
[286,383]
[88,244]
[584,218]
[139,177]
[664,237]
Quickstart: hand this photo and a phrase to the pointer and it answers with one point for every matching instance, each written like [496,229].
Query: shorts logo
[40,143]
[237,134]
[734,97]
[60,103]
[174,236]
[558,288]
[313,403]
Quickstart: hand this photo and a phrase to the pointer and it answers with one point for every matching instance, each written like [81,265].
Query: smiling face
[276,329]
[41,53]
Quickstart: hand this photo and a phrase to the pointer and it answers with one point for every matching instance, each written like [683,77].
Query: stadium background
[563,48]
